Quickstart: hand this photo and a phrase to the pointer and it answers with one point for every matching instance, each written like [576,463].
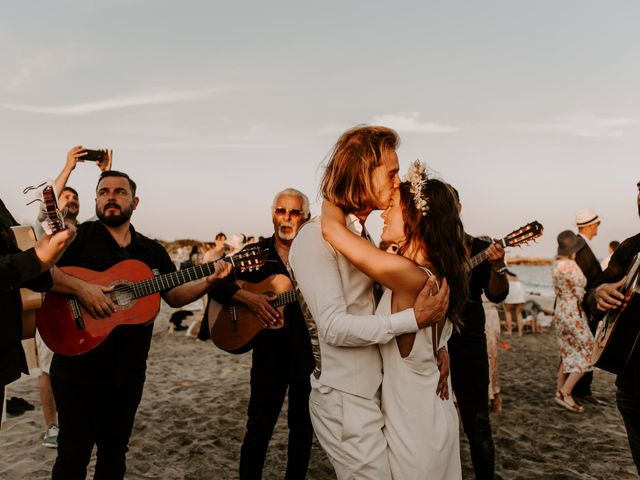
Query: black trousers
[629,407]
[88,415]
[2,387]
[267,397]
[470,381]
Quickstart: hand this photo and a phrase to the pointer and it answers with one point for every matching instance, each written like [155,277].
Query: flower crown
[417,177]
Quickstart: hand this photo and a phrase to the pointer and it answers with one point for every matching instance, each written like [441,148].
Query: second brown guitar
[233,327]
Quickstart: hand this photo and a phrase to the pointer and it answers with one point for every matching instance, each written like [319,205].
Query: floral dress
[574,337]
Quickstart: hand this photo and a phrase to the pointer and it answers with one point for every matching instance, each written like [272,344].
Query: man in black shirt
[98,392]
[468,353]
[587,221]
[604,296]
[29,268]
[282,359]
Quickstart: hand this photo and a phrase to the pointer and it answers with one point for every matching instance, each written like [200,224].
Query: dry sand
[191,420]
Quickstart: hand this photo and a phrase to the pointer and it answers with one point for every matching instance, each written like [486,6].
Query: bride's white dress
[421,429]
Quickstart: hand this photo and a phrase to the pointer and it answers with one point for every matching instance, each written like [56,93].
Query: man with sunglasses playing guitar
[604,297]
[282,359]
[97,392]
[29,268]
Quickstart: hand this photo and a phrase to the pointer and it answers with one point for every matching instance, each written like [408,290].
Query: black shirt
[285,352]
[17,269]
[471,341]
[121,359]
[629,379]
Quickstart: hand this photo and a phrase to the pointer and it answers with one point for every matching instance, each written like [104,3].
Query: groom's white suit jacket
[343,324]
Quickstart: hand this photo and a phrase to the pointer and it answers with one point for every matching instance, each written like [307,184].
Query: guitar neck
[478,258]
[174,279]
[285,298]
[54,218]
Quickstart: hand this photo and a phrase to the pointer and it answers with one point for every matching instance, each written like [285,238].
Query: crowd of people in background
[339,331]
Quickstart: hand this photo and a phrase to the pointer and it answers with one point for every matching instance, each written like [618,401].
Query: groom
[339,305]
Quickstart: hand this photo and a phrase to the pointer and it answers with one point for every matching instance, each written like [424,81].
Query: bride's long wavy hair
[440,236]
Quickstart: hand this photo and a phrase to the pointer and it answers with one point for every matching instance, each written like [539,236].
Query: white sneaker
[50,437]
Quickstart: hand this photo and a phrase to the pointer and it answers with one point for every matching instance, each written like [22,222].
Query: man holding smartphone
[69,203]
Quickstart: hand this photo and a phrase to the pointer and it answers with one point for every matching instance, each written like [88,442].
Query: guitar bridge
[77,313]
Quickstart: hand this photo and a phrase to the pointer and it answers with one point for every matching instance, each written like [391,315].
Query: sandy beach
[191,420]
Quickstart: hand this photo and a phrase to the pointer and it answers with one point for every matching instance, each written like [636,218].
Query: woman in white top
[421,424]
[514,303]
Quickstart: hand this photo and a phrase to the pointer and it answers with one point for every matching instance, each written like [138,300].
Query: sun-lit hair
[347,180]
[440,235]
[295,193]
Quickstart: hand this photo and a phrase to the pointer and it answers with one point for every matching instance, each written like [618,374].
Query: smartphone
[94,156]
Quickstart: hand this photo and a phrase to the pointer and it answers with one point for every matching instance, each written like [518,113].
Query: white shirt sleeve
[315,267]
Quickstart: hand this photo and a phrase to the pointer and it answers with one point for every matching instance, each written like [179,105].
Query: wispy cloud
[409,122]
[584,124]
[404,122]
[151,97]
[33,66]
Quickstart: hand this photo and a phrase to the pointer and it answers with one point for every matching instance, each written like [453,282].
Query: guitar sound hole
[122,295]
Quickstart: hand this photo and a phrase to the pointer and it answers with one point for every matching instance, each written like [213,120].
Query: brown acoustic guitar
[233,327]
[617,334]
[25,238]
[520,236]
[68,329]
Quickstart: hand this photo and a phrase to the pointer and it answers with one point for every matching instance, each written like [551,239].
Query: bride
[421,423]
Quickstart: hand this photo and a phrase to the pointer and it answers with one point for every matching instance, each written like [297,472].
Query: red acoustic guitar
[68,329]
[233,327]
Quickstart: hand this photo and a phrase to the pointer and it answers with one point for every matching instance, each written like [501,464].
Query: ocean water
[535,278]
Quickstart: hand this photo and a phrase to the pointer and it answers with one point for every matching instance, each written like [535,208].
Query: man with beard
[603,297]
[282,358]
[340,304]
[98,392]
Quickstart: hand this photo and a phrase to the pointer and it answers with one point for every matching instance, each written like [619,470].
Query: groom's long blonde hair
[347,179]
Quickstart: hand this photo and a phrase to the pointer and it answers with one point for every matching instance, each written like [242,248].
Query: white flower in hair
[417,176]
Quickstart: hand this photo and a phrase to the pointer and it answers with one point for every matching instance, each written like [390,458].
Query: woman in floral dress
[574,337]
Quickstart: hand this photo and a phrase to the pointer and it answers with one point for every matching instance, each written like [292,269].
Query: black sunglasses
[293,212]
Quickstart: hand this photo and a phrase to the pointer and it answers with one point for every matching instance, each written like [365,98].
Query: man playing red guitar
[282,359]
[97,393]
[603,297]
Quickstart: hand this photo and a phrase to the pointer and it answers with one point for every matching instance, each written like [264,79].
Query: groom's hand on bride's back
[432,302]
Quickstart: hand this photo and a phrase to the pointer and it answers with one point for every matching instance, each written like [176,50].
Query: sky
[531,109]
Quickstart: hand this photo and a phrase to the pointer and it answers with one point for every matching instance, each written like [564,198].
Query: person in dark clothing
[468,352]
[282,358]
[98,392]
[603,297]
[587,221]
[30,269]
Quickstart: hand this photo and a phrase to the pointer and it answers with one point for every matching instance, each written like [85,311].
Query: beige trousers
[349,429]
